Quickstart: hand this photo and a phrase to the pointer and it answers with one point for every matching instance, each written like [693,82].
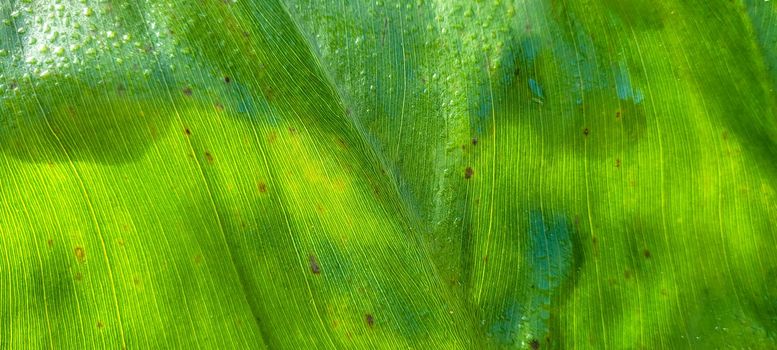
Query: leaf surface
[388,174]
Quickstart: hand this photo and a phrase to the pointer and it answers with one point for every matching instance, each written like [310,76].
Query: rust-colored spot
[187,91]
[468,173]
[646,253]
[269,95]
[314,267]
[617,163]
[534,344]
[262,187]
[618,115]
[586,131]
[80,254]
[370,320]
[187,131]
[208,156]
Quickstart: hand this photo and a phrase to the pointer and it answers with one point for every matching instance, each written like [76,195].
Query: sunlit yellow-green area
[426,174]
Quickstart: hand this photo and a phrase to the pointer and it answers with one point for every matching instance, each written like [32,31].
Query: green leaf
[388,174]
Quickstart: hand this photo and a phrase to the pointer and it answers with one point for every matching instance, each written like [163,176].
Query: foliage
[388,174]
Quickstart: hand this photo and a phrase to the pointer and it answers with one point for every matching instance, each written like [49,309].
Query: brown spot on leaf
[187,91]
[292,131]
[269,95]
[474,141]
[646,253]
[627,274]
[227,80]
[208,156]
[617,163]
[314,267]
[586,132]
[534,344]
[198,259]
[271,137]
[187,131]
[262,187]
[342,144]
[80,254]
[468,173]
[219,106]
[370,320]
[50,243]
[618,115]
